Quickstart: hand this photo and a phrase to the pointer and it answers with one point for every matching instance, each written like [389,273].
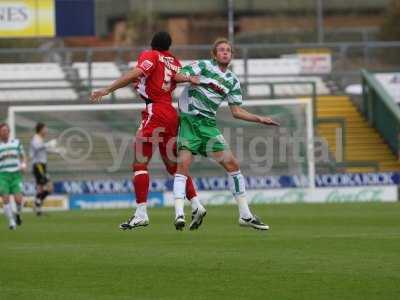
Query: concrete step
[383,152]
[355,152]
[347,115]
[349,128]
[394,163]
[360,170]
[333,98]
[349,124]
[339,109]
[349,134]
[389,169]
[374,157]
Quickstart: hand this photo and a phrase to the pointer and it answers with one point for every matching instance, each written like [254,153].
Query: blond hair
[217,42]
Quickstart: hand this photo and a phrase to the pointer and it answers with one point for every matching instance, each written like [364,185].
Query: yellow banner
[27,18]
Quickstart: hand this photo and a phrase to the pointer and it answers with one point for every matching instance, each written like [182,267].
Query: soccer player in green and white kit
[12,162]
[198,132]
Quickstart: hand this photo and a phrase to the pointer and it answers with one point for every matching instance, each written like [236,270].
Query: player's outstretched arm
[242,114]
[181,78]
[121,82]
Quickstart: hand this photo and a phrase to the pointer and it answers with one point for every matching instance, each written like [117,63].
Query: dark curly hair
[161,41]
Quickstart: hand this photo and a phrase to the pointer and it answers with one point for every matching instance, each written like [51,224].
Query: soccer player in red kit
[154,78]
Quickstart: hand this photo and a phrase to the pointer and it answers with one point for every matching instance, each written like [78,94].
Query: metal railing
[83,86]
[363,53]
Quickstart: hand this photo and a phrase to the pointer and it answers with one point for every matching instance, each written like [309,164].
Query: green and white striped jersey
[10,154]
[215,87]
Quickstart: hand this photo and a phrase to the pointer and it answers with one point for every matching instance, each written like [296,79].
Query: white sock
[180,186]
[179,193]
[195,203]
[237,183]
[179,204]
[9,214]
[141,211]
[244,210]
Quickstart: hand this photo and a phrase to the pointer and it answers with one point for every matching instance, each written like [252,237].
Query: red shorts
[159,127]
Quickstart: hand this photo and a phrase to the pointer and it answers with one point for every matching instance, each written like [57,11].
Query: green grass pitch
[314,251]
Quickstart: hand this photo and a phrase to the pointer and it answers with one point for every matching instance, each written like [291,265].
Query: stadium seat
[27,71]
[265,67]
[34,82]
[38,95]
[103,73]
[256,88]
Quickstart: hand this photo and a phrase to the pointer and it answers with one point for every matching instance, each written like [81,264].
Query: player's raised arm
[121,82]
[242,114]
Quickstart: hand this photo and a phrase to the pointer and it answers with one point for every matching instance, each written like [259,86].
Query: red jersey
[159,68]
